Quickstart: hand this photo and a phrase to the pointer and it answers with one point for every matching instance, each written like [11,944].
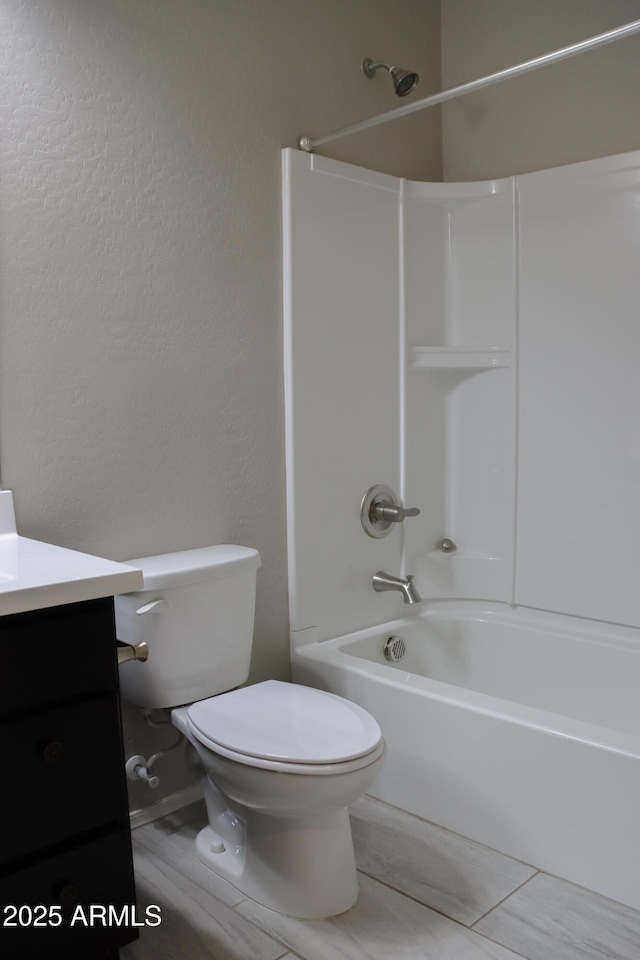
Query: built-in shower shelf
[456,358]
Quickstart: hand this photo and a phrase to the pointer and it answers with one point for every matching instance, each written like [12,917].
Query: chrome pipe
[308,144]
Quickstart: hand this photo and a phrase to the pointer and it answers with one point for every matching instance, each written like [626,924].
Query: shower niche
[473,346]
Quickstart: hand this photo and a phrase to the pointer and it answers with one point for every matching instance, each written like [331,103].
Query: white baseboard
[167,805]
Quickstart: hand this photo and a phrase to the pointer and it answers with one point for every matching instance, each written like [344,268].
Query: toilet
[279,762]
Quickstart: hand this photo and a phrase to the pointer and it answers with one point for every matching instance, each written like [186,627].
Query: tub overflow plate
[394,649]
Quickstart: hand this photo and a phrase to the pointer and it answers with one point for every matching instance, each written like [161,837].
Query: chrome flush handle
[133,651]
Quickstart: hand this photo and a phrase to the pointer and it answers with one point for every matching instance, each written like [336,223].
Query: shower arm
[308,144]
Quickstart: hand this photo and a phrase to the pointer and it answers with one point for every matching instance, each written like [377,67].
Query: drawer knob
[53,752]
[68,895]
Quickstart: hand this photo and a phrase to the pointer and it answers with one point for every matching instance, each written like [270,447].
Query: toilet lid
[286,721]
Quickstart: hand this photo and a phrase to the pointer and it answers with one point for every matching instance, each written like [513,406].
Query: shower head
[403,80]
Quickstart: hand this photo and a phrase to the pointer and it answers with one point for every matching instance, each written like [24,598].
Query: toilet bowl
[279,763]
[278,774]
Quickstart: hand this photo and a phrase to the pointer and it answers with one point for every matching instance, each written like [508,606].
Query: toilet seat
[286,726]
[280,766]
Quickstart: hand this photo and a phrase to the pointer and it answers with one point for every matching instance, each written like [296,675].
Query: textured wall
[141,401]
[578,109]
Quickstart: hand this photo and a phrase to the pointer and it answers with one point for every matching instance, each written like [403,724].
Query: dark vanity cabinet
[65,840]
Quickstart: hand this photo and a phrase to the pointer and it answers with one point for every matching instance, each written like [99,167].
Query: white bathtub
[517,728]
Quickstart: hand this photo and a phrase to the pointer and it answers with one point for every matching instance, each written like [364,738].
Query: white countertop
[34,574]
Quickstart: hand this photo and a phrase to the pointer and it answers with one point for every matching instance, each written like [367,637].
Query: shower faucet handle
[380,509]
[394,514]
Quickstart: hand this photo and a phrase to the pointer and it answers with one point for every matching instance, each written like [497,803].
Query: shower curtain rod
[308,144]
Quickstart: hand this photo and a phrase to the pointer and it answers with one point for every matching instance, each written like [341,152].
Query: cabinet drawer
[100,872]
[51,655]
[64,776]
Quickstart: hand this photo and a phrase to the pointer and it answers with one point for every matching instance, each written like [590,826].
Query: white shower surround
[474,346]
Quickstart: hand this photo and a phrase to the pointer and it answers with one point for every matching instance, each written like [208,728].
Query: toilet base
[300,867]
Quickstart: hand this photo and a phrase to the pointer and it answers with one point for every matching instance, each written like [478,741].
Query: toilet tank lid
[194,566]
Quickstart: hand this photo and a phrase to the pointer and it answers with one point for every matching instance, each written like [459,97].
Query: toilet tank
[196,613]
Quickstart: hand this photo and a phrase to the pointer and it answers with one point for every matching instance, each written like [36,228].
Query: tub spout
[385,581]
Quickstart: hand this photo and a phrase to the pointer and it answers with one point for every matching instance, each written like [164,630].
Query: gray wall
[581,108]
[141,405]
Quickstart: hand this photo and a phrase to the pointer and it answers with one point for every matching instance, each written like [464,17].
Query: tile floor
[425,894]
